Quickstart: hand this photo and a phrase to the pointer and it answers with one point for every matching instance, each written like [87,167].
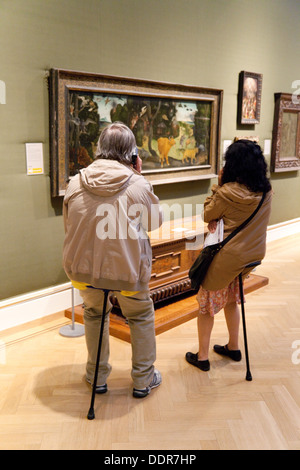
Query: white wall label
[267,147]
[34,159]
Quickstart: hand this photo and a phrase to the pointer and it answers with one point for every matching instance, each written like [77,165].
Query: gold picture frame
[187,119]
[285,155]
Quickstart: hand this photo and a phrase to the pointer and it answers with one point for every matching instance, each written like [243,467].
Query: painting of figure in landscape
[170,133]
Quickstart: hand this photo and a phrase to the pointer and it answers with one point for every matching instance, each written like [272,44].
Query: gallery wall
[194,42]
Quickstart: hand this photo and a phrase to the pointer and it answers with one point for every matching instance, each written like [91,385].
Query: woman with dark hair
[241,184]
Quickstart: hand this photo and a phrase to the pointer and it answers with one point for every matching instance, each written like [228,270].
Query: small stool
[251,265]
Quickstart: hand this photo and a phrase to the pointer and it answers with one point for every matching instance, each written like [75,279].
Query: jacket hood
[105,177]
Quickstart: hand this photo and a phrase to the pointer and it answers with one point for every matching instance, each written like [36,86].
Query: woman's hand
[212,226]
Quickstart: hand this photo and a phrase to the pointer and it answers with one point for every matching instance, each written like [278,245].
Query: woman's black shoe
[235,355]
[193,359]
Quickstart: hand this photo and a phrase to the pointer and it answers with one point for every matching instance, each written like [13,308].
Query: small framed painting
[285,154]
[249,98]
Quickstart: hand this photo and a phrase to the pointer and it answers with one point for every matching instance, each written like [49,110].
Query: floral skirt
[212,301]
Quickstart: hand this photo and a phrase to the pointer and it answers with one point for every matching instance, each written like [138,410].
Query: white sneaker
[99,388]
[155,382]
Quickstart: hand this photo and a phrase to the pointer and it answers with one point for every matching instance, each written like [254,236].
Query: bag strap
[238,229]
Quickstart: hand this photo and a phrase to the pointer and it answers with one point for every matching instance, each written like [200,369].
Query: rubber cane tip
[91,414]
[249,376]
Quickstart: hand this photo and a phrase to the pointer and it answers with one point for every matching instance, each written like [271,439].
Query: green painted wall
[194,42]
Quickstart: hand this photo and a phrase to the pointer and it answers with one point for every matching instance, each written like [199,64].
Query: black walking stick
[248,373]
[91,413]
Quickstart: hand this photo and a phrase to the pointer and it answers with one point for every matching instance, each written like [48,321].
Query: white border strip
[34,305]
[284,229]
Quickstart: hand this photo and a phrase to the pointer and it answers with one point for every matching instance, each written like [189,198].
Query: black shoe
[235,355]
[193,359]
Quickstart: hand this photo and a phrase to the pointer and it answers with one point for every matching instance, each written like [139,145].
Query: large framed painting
[285,154]
[177,127]
[249,99]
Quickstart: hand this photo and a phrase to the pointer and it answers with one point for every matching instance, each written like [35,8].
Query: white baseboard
[34,305]
[284,229]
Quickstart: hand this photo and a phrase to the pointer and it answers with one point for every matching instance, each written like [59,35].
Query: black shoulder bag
[199,269]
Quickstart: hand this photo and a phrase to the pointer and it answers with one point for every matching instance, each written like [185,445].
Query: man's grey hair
[116,142]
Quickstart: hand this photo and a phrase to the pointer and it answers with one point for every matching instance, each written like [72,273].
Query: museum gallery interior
[189,78]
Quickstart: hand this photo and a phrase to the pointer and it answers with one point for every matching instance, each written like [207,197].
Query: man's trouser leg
[93,305]
[139,311]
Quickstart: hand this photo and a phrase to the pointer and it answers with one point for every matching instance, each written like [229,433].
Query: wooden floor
[44,399]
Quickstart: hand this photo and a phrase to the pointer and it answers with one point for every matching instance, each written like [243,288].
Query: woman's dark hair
[245,164]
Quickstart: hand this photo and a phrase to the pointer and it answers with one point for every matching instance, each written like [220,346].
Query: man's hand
[139,163]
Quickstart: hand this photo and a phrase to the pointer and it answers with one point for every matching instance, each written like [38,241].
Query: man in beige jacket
[108,209]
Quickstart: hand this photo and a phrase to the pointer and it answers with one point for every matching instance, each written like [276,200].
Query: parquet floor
[44,399]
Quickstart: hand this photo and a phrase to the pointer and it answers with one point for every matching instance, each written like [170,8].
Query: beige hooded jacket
[234,203]
[108,208]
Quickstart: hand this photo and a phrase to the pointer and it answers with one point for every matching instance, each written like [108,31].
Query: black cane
[251,265]
[248,373]
[91,413]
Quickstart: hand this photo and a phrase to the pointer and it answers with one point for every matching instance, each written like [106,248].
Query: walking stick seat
[250,265]
[91,412]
